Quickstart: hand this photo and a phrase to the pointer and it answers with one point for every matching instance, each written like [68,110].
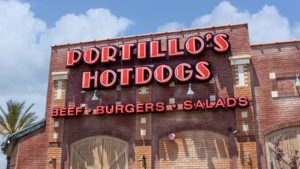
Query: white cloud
[296,29]
[171,26]
[223,13]
[25,46]
[266,25]
[22,61]
[95,24]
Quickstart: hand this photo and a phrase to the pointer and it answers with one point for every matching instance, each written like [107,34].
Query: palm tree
[14,119]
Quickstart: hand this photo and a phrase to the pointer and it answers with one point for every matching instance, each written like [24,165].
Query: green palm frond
[14,119]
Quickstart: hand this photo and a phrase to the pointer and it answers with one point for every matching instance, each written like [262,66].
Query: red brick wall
[195,149]
[220,66]
[31,151]
[271,113]
[275,113]
[124,126]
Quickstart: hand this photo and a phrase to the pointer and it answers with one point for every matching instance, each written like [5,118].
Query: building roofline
[14,137]
[150,34]
[274,43]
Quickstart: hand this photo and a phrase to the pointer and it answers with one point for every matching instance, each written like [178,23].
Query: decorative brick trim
[88,133]
[185,127]
[60,75]
[250,138]
[143,142]
[240,60]
[281,125]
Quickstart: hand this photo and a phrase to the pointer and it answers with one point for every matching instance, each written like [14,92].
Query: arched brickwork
[81,134]
[278,126]
[99,152]
[215,142]
[89,133]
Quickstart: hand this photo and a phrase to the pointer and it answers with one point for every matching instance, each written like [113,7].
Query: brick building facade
[217,138]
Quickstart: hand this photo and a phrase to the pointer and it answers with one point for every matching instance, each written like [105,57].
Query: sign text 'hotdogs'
[150,50]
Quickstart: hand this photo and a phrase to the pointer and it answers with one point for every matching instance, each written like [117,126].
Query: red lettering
[188,105]
[173,47]
[109,109]
[160,107]
[184,72]
[55,112]
[208,38]
[100,110]
[91,56]
[231,102]
[108,54]
[163,74]
[73,57]
[119,108]
[140,107]
[243,101]
[208,105]
[125,76]
[194,45]
[155,50]
[126,51]
[143,75]
[221,43]
[129,108]
[219,103]
[149,107]
[142,50]
[199,105]
[87,78]
[63,112]
[71,111]
[108,78]
[203,71]
[79,110]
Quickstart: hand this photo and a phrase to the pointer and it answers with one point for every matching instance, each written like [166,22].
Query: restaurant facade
[202,98]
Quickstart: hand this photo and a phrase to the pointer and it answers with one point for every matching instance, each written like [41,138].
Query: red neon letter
[173,48]
[109,54]
[243,101]
[184,72]
[155,50]
[161,71]
[203,71]
[188,105]
[108,78]
[142,50]
[194,45]
[126,51]
[231,102]
[220,103]
[221,43]
[73,57]
[125,76]
[87,78]
[91,56]
[55,112]
[143,75]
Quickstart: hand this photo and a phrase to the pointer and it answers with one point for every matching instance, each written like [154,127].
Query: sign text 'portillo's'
[150,50]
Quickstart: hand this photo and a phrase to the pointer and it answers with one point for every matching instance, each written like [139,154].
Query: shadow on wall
[99,152]
[195,149]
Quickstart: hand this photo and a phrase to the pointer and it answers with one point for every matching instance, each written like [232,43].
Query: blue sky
[148,15]
[29,28]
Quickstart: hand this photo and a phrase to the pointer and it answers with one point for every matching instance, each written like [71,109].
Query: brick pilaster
[55,134]
[244,116]
[143,130]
